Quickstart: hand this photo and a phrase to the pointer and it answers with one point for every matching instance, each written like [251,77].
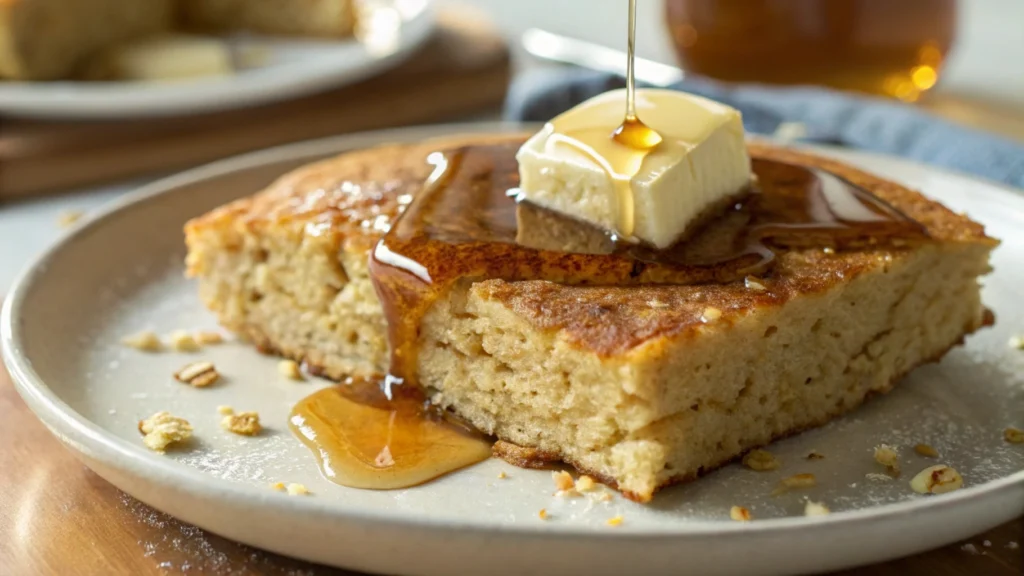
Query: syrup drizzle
[464,226]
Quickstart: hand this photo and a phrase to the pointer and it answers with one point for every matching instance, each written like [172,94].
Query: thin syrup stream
[631,64]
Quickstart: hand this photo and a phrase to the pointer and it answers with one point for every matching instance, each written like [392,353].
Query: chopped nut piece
[243,423]
[502,475]
[162,429]
[563,480]
[1014,435]
[739,514]
[543,514]
[795,482]
[225,410]
[937,480]
[816,509]
[289,369]
[570,493]
[69,218]
[585,483]
[814,455]
[198,374]
[182,341]
[207,338]
[887,456]
[615,521]
[876,477]
[754,283]
[761,460]
[145,341]
[926,450]
[1017,342]
[277,485]
[296,489]
[710,314]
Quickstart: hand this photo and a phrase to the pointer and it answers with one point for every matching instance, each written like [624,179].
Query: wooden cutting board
[464,68]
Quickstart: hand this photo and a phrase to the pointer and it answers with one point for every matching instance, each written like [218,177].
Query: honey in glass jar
[890,47]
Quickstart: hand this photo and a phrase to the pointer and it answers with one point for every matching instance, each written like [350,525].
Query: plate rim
[127,100]
[72,427]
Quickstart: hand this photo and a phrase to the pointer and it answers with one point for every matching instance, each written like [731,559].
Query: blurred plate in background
[270,69]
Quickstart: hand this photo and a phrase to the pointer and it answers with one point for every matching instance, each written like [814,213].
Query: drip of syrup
[363,439]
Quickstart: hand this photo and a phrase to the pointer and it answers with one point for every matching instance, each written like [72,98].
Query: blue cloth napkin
[826,116]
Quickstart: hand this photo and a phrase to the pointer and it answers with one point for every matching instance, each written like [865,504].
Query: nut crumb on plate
[926,450]
[795,482]
[816,509]
[289,369]
[585,483]
[761,460]
[162,429]
[1013,435]
[615,520]
[543,514]
[814,455]
[887,456]
[937,480]
[208,338]
[146,341]
[198,374]
[296,489]
[242,423]
[563,480]
[740,514]
[1017,342]
[277,485]
[182,341]
[876,477]
[225,410]
[502,475]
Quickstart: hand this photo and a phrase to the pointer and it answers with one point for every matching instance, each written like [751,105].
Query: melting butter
[645,180]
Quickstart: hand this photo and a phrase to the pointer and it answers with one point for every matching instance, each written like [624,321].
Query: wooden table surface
[58,517]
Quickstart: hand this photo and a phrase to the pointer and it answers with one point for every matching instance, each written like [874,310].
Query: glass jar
[889,47]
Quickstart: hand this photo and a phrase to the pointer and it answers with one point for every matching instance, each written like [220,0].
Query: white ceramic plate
[286,67]
[122,271]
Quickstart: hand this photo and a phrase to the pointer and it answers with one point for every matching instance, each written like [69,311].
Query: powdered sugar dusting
[178,547]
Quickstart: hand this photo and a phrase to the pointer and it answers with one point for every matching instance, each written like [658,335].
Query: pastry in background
[48,39]
[321,18]
[162,57]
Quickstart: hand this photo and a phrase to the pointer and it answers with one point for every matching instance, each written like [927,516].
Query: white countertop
[988,62]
